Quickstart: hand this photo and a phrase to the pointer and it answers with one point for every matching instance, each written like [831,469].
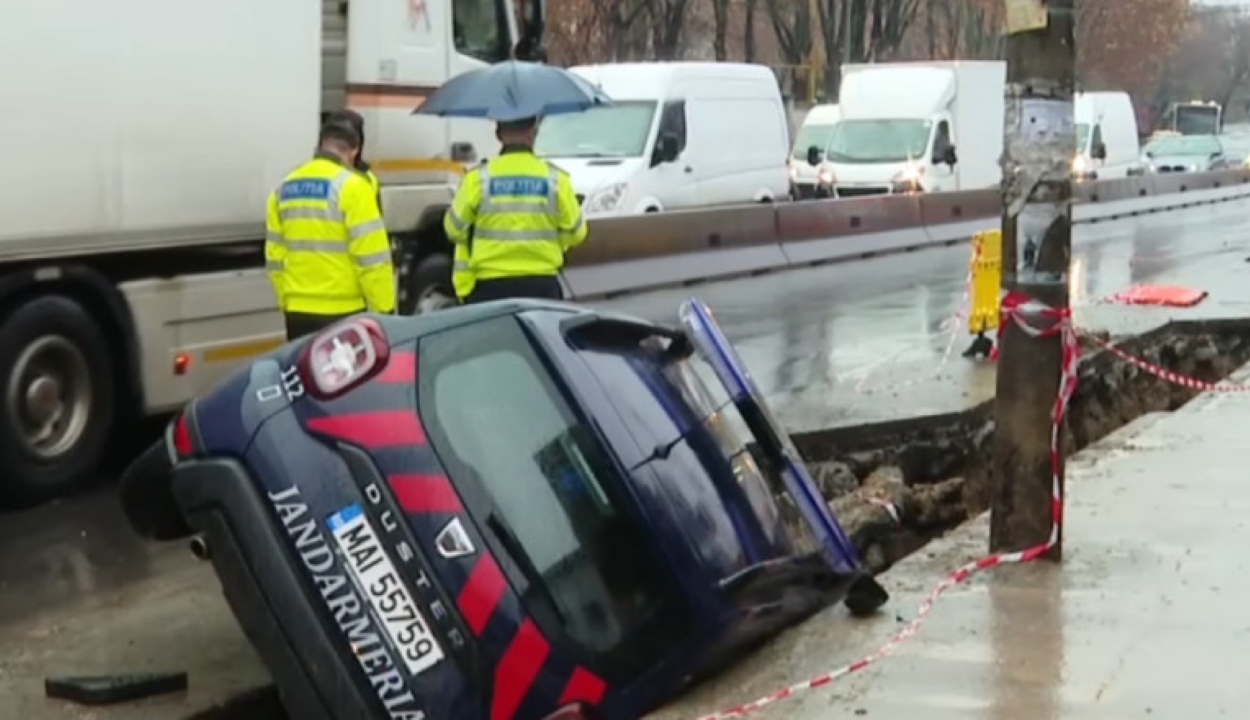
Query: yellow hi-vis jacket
[326,247]
[522,213]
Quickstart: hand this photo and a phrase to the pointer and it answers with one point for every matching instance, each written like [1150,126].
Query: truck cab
[1106,137]
[1195,118]
[383,60]
[917,127]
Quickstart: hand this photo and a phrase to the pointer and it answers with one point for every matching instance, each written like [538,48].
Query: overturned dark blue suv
[511,511]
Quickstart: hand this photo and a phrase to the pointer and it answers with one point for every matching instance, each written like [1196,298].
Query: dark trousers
[537,287]
[299,325]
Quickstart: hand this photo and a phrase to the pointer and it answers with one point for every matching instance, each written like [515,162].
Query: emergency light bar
[343,357]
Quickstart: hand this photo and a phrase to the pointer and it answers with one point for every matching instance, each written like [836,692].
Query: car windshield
[1184,145]
[1082,136]
[618,130]
[680,403]
[812,136]
[878,141]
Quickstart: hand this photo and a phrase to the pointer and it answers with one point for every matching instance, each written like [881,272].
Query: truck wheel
[429,285]
[58,399]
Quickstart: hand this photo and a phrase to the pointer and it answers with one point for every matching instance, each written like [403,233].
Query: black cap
[351,118]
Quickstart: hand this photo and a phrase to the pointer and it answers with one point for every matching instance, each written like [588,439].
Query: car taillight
[573,712]
[343,357]
[180,436]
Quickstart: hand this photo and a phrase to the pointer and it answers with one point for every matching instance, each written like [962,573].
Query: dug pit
[896,486]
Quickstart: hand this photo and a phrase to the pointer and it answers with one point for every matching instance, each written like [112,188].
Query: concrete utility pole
[1037,243]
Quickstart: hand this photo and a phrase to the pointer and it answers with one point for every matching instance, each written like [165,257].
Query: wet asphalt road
[864,341]
[837,344]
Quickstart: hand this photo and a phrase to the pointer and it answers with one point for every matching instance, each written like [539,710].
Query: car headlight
[606,200]
[1079,165]
[825,175]
[794,172]
[1193,167]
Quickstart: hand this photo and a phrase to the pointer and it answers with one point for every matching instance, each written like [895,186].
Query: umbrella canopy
[513,90]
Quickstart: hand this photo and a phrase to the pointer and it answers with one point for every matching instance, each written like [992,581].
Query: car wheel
[58,401]
[429,286]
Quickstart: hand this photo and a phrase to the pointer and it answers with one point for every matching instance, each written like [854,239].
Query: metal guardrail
[645,252]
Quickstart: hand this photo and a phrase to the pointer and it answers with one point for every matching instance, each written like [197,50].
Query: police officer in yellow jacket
[513,219]
[326,248]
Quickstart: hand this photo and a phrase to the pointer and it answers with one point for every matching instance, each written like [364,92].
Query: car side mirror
[1149,154]
[1100,151]
[945,156]
[666,148]
[813,155]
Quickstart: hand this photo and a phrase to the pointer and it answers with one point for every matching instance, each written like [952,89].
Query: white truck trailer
[143,139]
[917,127]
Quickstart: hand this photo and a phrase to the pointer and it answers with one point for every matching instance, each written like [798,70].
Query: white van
[1106,137]
[679,135]
[805,176]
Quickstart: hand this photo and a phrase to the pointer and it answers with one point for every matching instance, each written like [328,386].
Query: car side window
[479,30]
[673,120]
[1097,139]
[942,139]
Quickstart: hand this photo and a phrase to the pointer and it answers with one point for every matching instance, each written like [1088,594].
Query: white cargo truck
[143,139]
[917,127]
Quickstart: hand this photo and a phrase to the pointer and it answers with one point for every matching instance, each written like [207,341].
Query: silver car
[1185,153]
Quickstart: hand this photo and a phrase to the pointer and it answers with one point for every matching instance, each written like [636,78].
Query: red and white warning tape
[1038,320]
[1164,374]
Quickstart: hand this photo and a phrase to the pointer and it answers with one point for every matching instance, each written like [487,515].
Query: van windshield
[619,130]
[812,136]
[878,141]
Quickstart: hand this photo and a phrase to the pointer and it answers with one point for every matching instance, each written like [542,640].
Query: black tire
[865,596]
[147,497]
[431,275]
[62,326]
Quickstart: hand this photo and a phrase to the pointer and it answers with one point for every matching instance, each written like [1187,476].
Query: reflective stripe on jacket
[523,215]
[326,247]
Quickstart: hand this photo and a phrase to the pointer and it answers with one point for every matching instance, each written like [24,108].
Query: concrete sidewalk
[1148,617]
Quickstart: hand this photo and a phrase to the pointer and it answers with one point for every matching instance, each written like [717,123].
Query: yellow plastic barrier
[987,276]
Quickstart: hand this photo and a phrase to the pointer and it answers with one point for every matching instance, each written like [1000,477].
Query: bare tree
[748,31]
[862,31]
[667,19]
[792,23]
[720,17]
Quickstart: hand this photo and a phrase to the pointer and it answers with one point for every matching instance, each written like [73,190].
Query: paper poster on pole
[1025,15]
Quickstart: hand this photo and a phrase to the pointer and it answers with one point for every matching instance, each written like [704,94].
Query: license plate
[385,590]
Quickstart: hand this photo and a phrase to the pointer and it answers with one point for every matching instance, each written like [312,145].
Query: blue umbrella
[513,90]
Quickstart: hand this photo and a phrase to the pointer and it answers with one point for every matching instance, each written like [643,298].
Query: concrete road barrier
[835,230]
[958,215]
[654,250]
[648,251]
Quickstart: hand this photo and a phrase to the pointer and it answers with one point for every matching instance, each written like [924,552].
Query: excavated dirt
[896,486]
